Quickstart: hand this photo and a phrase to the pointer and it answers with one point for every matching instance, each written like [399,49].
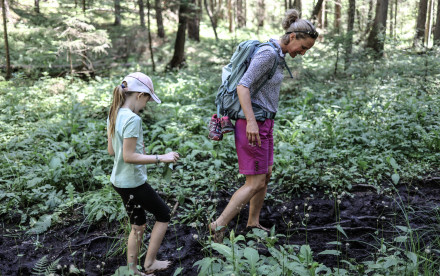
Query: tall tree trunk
[391,18]
[208,11]
[117,13]
[316,11]
[5,37]
[245,13]
[241,21]
[159,19]
[179,46]
[350,27]
[260,13]
[395,19]
[428,28]
[421,22]
[150,41]
[437,26]
[142,13]
[337,24]
[370,20]
[230,19]
[37,6]
[84,6]
[376,39]
[194,21]
[297,5]
[290,4]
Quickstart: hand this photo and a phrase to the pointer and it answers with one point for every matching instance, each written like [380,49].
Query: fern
[41,225]
[44,267]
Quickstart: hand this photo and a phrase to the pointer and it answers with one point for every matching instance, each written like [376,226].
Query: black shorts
[140,199]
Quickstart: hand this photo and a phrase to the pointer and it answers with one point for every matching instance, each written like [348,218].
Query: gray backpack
[227,99]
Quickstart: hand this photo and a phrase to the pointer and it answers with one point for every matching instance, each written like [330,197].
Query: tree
[211,18]
[421,22]
[230,19]
[316,11]
[117,13]
[337,23]
[194,20]
[142,13]
[350,26]
[297,5]
[78,38]
[159,19]
[428,29]
[150,42]
[260,14]
[391,18]
[179,47]
[5,36]
[376,39]
[37,6]
[241,19]
[437,26]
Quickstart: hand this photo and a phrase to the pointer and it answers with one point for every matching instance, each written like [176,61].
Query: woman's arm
[130,155]
[109,144]
[252,130]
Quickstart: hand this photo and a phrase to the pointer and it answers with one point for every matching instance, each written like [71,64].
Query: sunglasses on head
[312,34]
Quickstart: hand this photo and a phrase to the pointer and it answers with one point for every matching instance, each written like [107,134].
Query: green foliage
[44,267]
[239,258]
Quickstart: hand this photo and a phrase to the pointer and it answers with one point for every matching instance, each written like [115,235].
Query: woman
[254,139]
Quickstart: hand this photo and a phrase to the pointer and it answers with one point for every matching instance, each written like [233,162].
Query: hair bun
[290,17]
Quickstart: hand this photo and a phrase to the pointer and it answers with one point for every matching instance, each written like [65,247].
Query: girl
[129,174]
[254,139]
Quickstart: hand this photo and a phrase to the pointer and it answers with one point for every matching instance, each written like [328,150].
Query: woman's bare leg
[256,203]
[253,185]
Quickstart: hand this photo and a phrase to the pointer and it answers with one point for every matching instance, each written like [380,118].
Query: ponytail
[119,97]
[301,27]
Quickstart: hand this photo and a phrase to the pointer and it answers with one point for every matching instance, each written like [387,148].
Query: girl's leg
[157,234]
[253,185]
[134,244]
[256,203]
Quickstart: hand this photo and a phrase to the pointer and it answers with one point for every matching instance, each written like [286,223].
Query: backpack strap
[275,65]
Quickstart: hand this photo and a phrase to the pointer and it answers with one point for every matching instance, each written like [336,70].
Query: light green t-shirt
[125,175]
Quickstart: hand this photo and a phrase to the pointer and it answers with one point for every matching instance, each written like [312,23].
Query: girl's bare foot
[140,273]
[157,266]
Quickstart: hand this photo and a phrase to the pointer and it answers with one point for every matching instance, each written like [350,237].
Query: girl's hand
[252,133]
[171,157]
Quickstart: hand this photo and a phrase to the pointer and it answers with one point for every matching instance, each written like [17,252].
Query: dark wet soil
[364,213]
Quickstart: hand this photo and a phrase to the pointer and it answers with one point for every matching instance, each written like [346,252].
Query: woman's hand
[252,133]
[171,157]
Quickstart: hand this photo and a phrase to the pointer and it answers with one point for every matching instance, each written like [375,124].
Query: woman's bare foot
[216,234]
[258,226]
[157,266]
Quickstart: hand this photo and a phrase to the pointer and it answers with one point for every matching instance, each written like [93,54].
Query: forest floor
[365,216]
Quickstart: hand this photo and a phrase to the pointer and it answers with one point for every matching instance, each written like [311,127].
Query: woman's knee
[257,182]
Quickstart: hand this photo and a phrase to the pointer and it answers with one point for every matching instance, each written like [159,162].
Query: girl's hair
[119,96]
[301,27]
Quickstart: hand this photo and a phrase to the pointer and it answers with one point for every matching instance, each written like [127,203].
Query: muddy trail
[365,216]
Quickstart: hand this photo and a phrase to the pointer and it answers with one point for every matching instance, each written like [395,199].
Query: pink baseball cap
[139,82]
